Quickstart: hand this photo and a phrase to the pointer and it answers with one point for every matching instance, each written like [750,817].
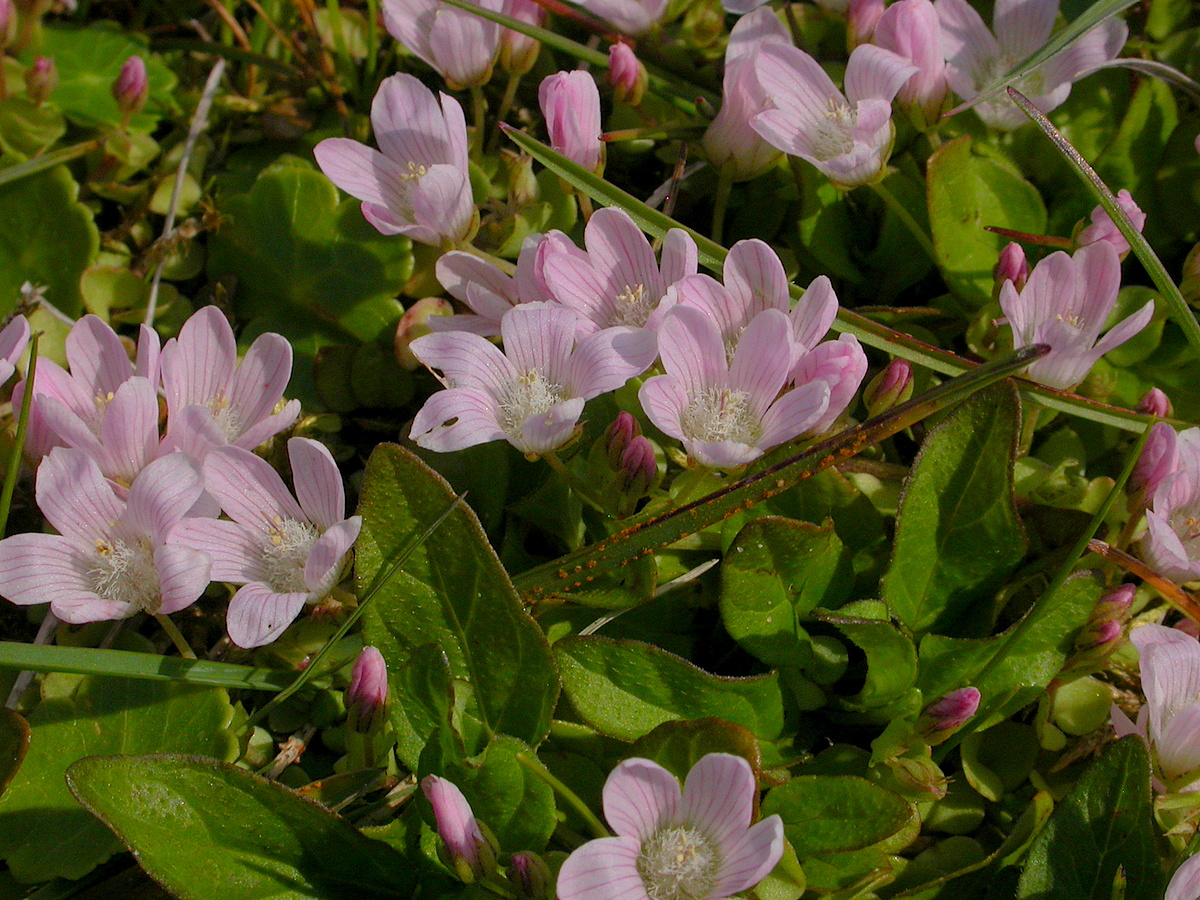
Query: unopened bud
[366,698]
[519,52]
[414,324]
[468,852]
[890,388]
[523,187]
[41,79]
[1012,266]
[627,74]
[132,87]
[1155,403]
[623,429]
[943,717]
[530,875]
[1159,458]
[639,466]
[1101,635]
[921,776]
[861,18]
[5,19]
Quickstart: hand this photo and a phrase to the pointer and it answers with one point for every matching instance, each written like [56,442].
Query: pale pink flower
[1170,719]
[1172,542]
[285,551]
[112,558]
[1103,228]
[570,101]
[486,290]
[1158,460]
[1185,883]
[107,406]
[729,413]
[617,281]
[212,398]
[847,137]
[911,30]
[132,86]
[730,142]
[418,185]
[460,45]
[626,74]
[366,697]
[697,843]
[519,52]
[470,853]
[975,57]
[13,340]
[1012,266]
[1155,402]
[629,16]
[533,393]
[1065,304]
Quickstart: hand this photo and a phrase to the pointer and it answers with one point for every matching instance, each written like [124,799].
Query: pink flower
[366,697]
[847,137]
[570,102]
[1155,402]
[418,186]
[13,340]
[214,400]
[1065,304]
[1172,542]
[1185,883]
[1012,266]
[459,44]
[617,281]
[132,86]
[696,844]
[1159,459]
[285,553]
[488,291]
[730,142]
[911,30]
[975,57]
[1103,228]
[626,73]
[947,714]
[728,413]
[629,16]
[533,393]
[112,558]
[1170,719]
[470,853]
[518,52]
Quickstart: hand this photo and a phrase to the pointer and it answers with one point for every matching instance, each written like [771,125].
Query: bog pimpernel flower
[486,290]
[418,185]
[285,551]
[112,558]
[13,340]
[1185,883]
[459,44]
[570,101]
[468,851]
[1172,541]
[694,844]
[1102,227]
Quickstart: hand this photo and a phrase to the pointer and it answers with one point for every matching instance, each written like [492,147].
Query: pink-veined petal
[718,797]
[799,411]
[75,497]
[604,361]
[1170,674]
[317,481]
[408,122]
[763,359]
[249,489]
[970,49]
[728,310]
[183,574]
[1023,26]
[814,312]
[441,201]
[97,356]
[664,399]
[198,365]
[639,796]
[543,432]
[267,428]
[260,378]
[795,82]
[43,568]
[466,361]
[691,349]
[455,419]
[162,495]
[749,858]
[466,277]
[149,353]
[1185,883]
[620,252]
[754,276]
[603,869]
[722,454]
[1164,551]
[679,256]
[236,553]
[464,45]
[258,615]
[875,74]
[539,337]
[1178,745]
[324,562]
[129,429]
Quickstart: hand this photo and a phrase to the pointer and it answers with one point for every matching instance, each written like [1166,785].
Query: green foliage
[43,832]
[285,846]
[14,743]
[679,745]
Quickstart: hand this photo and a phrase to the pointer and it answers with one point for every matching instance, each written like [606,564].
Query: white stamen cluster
[228,417]
[634,305]
[678,863]
[285,553]
[720,414]
[123,570]
[832,137]
[529,395]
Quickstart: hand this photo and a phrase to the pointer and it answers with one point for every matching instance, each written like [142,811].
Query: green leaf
[967,192]
[451,592]
[679,745]
[27,129]
[775,572]
[958,537]
[48,239]
[43,832]
[88,62]
[14,743]
[626,689]
[890,656]
[427,688]
[1106,823]
[210,831]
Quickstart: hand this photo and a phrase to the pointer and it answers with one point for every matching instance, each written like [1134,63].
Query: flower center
[123,570]
[832,135]
[228,417]
[633,306]
[678,863]
[529,395]
[720,414]
[414,172]
[288,544]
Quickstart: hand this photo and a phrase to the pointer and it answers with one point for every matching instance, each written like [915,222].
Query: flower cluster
[135,504]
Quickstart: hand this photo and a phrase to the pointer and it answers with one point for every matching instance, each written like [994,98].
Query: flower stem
[724,185]
[44,636]
[175,635]
[1028,428]
[585,206]
[506,102]
[536,766]
[575,484]
[479,110]
[906,217]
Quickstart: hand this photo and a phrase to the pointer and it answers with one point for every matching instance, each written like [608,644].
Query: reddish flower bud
[467,851]
[41,79]
[1101,635]
[1012,266]
[861,18]
[943,717]
[890,388]
[639,467]
[366,698]
[1155,403]
[626,73]
[519,52]
[5,18]
[623,429]
[1159,458]
[132,86]
[530,875]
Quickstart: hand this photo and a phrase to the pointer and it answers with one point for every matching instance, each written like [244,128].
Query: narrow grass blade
[46,161]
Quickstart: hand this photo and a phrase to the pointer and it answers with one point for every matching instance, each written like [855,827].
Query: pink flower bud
[530,875]
[628,76]
[5,18]
[518,52]
[1012,266]
[1101,635]
[623,429]
[570,102]
[910,28]
[1159,458]
[414,324]
[1104,229]
[639,467]
[41,79]
[468,852]
[943,717]
[861,18]
[132,87]
[1155,403]
[891,387]
[366,698]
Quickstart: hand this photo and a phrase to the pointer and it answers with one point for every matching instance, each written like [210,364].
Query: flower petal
[249,489]
[236,552]
[164,492]
[198,365]
[639,796]
[751,857]
[183,574]
[603,869]
[75,497]
[257,615]
[317,481]
[718,799]
[324,562]
[457,418]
